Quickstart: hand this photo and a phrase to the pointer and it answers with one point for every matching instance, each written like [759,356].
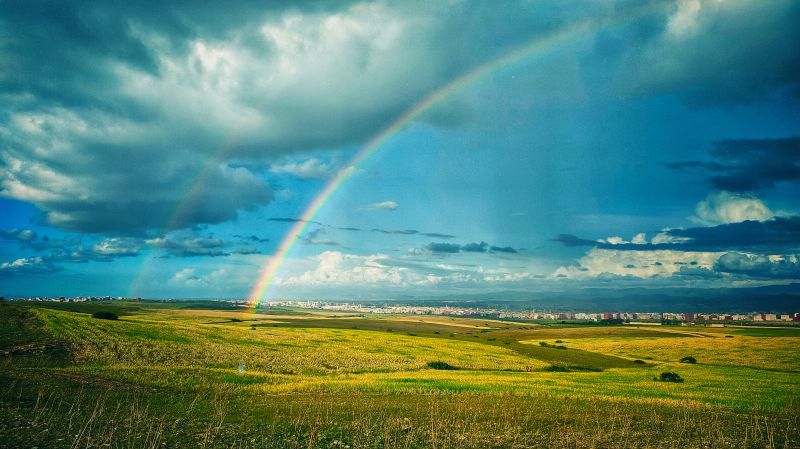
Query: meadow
[210,375]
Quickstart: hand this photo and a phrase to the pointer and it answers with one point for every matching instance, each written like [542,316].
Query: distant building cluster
[487,312]
[651,317]
[74,298]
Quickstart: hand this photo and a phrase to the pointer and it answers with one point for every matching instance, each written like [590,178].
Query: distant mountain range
[774,298]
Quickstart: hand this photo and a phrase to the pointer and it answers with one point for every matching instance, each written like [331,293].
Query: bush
[569,368]
[689,359]
[441,365]
[668,376]
[558,368]
[105,315]
[640,362]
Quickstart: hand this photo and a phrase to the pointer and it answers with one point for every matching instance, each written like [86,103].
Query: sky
[159,151]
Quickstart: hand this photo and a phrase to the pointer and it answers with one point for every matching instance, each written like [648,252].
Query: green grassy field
[210,375]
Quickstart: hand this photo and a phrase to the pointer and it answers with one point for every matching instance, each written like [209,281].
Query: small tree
[103,315]
[688,359]
[441,365]
[668,376]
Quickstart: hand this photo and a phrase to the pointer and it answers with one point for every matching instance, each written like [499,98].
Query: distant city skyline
[507,148]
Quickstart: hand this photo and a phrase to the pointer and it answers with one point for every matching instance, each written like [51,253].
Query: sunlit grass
[180,341]
[779,353]
[225,378]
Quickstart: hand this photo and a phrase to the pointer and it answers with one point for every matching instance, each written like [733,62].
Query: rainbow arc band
[536,47]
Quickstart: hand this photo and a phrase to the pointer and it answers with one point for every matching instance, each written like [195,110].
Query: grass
[169,376]
[775,353]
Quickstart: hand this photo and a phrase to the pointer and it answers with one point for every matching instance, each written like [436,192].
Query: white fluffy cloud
[725,207]
[188,277]
[311,168]
[640,264]
[28,265]
[334,268]
[383,205]
[149,148]
[337,268]
[117,247]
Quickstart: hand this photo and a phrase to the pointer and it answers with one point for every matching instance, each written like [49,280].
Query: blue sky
[162,153]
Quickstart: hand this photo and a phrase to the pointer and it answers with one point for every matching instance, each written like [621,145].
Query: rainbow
[189,198]
[536,47]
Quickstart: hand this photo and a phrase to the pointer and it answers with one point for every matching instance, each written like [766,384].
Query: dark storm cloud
[503,249]
[571,240]
[779,234]
[20,235]
[190,246]
[742,165]
[714,53]
[482,247]
[76,251]
[396,231]
[321,242]
[377,230]
[246,251]
[122,117]
[313,238]
[475,247]
[28,238]
[294,220]
[63,53]
[73,248]
[436,235]
[759,266]
[447,248]
[774,234]
[251,238]
[100,121]
[117,189]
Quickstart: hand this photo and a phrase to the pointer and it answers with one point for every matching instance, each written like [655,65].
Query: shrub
[689,359]
[640,362]
[104,315]
[544,344]
[558,368]
[559,341]
[441,365]
[569,368]
[668,376]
